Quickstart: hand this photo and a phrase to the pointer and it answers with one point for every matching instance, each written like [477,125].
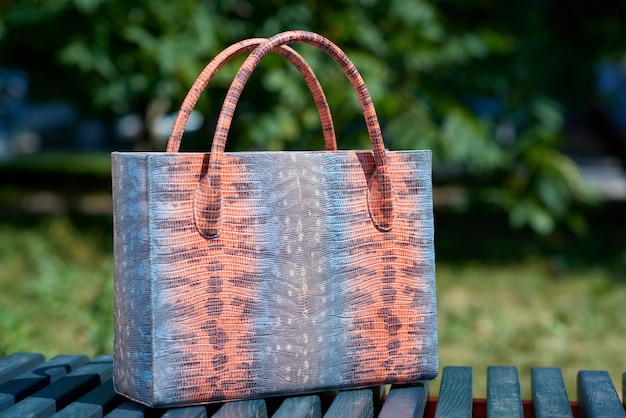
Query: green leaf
[548,113]
[79,54]
[552,193]
[87,6]
[468,140]
[528,213]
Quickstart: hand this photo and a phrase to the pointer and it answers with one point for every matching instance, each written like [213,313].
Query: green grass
[92,164]
[57,289]
[504,298]
[524,314]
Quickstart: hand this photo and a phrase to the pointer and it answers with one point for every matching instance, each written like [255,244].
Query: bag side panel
[132,374]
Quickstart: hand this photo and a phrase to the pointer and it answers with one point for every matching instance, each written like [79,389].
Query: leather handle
[207,199]
[176,135]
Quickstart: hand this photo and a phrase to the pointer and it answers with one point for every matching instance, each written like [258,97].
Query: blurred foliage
[50,163]
[480,83]
[56,279]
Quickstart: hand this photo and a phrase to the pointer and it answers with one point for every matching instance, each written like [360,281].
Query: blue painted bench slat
[455,394]
[243,409]
[94,404]
[17,363]
[190,412]
[405,402]
[352,404]
[597,396]
[37,378]
[128,409]
[300,407]
[549,394]
[61,393]
[504,398]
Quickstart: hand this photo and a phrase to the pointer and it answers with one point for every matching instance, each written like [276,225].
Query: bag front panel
[300,291]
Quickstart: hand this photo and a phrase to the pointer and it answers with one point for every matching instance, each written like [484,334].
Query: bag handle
[328,129]
[207,199]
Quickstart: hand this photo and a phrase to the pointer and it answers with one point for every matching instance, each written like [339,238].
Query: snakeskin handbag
[252,274]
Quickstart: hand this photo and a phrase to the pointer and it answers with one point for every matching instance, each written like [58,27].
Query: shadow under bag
[250,274]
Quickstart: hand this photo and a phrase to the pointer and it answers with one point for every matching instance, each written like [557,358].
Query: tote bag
[241,275]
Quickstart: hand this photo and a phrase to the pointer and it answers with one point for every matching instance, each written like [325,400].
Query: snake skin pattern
[301,288]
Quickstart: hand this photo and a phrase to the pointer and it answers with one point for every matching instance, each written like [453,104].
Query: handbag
[242,275]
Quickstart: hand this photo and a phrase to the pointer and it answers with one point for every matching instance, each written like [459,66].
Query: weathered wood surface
[191,412]
[549,393]
[27,383]
[17,363]
[597,396]
[94,404]
[62,392]
[300,407]
[409,402]
[352,404]
[243,409]
[504,398]
[456,393]
[128,409]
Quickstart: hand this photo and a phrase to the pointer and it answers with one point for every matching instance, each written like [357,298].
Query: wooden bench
[75,386]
